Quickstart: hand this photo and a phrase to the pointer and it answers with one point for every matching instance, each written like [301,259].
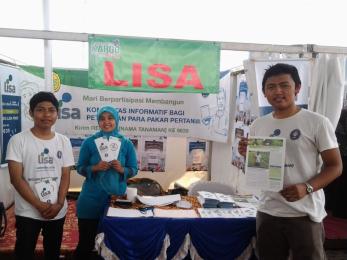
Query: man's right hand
[242,148]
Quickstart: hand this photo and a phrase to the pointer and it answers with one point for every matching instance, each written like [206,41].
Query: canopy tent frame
[231,46]
[303,50]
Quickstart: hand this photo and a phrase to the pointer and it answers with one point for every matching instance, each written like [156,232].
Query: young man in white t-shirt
[291,220]
[39,161]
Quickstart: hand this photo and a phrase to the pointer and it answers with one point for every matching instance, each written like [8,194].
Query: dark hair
[41,97]
[281,68]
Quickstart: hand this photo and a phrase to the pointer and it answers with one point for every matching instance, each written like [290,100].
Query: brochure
[47,191]
[108,149]
[265,163]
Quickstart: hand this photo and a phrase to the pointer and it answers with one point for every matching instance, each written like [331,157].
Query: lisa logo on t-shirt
[44,157]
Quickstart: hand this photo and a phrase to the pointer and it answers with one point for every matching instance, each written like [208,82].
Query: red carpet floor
[335,228]
[70,236]
[335,235]
[335,231]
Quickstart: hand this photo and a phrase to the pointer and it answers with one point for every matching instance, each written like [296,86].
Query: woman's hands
[101,166]
[104,166]
[115,164]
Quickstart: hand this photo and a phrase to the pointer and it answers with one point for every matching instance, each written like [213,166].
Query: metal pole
[47,48]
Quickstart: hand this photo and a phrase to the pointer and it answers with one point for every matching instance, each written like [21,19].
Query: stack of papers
[175,213]
[246,201]
[215,200]
[227,213]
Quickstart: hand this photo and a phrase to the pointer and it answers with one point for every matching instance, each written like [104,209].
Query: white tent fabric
[328,78]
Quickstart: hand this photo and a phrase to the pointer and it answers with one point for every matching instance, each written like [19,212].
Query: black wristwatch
[309,188]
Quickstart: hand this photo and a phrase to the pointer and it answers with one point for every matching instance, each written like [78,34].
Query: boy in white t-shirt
[39,163]
[291,220]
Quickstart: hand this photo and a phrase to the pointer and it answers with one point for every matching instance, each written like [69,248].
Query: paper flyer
[108,149]
[265,163]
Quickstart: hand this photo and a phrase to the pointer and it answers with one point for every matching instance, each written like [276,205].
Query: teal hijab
[114,113]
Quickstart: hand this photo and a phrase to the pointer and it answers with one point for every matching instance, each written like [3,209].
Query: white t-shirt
[307,134]
[42,160]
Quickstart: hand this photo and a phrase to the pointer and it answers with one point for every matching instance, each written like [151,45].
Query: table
[169,238]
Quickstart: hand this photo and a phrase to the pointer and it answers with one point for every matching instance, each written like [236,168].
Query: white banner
[204,116]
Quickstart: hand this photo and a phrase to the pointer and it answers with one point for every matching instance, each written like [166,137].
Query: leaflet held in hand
[47,191]
[108,149]
[265,163]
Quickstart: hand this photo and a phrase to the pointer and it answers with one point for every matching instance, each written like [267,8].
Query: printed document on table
[175,213]
[265,163]
[227,213]
[128,213]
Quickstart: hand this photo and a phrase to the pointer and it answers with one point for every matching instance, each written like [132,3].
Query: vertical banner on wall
[10,103]
[242,118]
[304,69]
[153,65]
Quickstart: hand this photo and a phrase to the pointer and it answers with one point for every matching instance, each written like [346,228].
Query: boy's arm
[23,188]
[64,185]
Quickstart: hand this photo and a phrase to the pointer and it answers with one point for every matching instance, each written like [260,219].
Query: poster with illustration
[136,140]
[215,114]
[153,154]
[197,155]
[243,118]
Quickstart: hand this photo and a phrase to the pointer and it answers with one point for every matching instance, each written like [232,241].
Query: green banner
[149,65]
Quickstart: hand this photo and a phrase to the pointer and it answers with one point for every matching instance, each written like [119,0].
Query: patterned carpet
[336,235]
[70,235]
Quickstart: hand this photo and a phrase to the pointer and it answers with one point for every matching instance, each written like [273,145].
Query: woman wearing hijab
[105,174]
